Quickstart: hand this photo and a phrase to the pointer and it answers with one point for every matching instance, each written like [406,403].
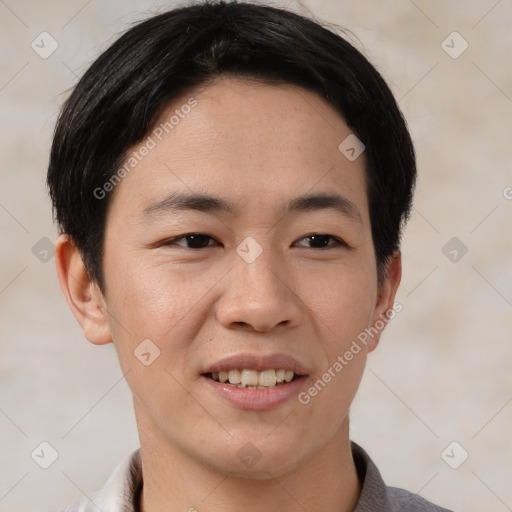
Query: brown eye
[192,241]
[321,241]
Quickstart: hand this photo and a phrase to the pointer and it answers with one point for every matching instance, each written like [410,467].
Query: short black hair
[121,96]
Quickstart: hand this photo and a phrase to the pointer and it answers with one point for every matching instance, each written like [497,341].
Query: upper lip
[257,362]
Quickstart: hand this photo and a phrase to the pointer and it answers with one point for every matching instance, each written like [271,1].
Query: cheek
[325,402]
[155,303]
[343,301]
[154,316]
[155,297]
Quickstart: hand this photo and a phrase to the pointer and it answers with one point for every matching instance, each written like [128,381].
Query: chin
[257,458]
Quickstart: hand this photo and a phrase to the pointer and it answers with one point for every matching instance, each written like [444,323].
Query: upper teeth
[253,378]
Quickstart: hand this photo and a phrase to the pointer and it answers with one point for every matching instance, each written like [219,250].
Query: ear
[385,307]
[83,295]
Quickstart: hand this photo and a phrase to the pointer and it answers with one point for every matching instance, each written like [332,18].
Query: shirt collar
[374,493]
[121,491]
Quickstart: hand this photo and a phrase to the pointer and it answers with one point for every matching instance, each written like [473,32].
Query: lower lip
[256,399]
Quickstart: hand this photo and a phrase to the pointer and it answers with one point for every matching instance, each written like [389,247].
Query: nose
[259,296]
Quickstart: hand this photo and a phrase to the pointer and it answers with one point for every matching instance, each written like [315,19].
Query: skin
[201,305]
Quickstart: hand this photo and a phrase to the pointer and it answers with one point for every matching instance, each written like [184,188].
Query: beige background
[443,370]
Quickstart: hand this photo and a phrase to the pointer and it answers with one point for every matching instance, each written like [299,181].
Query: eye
[321,241]
[200,241]
[191,241]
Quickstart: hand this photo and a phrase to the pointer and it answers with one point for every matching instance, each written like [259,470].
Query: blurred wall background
[439,387]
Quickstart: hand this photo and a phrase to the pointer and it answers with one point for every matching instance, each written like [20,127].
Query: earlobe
[82,294]
[384,307]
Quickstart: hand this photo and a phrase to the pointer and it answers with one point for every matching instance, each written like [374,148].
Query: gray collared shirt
[121,491]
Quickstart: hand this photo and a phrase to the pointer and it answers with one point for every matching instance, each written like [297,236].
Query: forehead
[259,144]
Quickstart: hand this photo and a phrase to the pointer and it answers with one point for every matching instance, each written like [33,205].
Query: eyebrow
[211,204]
[310,202]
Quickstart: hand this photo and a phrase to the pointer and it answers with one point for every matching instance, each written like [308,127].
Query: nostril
[244,325]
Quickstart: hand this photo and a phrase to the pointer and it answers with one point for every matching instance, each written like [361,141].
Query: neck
[174,481]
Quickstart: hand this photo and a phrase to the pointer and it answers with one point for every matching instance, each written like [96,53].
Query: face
[242,241]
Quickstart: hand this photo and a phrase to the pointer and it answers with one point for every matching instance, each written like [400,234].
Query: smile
[253,379]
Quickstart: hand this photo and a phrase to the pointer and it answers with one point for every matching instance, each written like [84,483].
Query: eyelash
[337,241]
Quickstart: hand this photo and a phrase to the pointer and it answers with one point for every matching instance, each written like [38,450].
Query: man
[230,182]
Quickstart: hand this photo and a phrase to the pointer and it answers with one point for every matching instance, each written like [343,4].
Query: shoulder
[406,501]
[376,495]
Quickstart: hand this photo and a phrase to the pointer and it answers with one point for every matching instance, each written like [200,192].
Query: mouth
[254,379]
